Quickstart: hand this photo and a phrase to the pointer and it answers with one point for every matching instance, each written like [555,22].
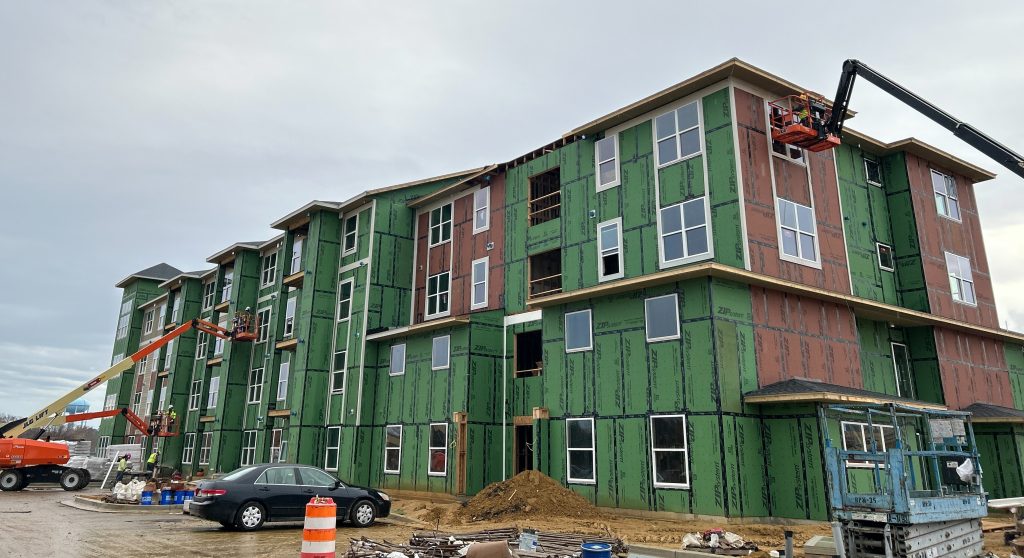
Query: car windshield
[237,474]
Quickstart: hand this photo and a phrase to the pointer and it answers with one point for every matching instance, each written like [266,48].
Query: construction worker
[151,462]
[122,466]
[172,417]
[241,321]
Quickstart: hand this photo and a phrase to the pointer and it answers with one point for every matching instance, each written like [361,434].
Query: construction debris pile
[718,541]
[528,494]
[493,543]
[129,493]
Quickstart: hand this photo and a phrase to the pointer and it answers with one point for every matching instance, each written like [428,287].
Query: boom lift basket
[800,120]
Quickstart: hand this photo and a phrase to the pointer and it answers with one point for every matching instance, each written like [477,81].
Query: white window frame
[188,451]
[213,395]
[152,361]
[438,295]
[482,196]
[864,437]
[948,181]
[147,320]
[685,451]
[346,234]
[686,227]
[391,363]
[276,445]
[290,306]
[249,441]
[614,159]
[169,355]
[388,448]
[101,446]
[110,402]
[176,308]
[124,318]
[351,290]
[201,345]
[959,276]
[295,265]
[867,175]
[678,134]
[801,154]
[209,292]
[226,284]
[335,372]
[283,375]
[205,445]
[892,256]
[431,449]
[263,325]
[592,449]
[116,358]
[647,326]
[896,369]
[161,315]
[440,224]
[328,466]
[475,304]
[590,331]
[603,250]
[195,395]
[268,269]
[255,391]
[218,343]
[448,352]
[162,402]
[815,263]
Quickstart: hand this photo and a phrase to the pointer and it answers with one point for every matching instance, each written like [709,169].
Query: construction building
[650,309]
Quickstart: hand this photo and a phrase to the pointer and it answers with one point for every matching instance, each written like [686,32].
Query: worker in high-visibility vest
[172,417]
[151,462]
[122,467]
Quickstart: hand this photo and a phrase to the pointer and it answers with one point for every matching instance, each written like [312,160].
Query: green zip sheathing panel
[1015,363]
[794,466]
[910,282]
[634,200]
[1002,458]
[866,220]
[877,364]
[178,360]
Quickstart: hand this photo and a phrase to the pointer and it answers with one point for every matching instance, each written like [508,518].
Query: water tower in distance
[77,406]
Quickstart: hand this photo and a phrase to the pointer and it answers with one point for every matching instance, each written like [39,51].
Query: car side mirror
[337,485]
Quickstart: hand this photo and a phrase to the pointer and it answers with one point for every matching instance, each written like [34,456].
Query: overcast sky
[138,132]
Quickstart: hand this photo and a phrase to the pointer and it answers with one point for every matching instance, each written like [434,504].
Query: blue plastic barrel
[596,550]
[181,495]
[166,497]
[189,494]
[147,498]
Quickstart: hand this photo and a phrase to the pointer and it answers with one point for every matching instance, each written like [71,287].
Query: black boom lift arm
[973,136]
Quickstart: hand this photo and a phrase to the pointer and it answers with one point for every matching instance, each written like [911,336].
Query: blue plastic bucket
[189,494]
[595,550]
[179,496]
[166,497]
[147,498]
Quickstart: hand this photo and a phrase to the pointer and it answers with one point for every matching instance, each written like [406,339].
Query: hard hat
[170,406]
[247,308]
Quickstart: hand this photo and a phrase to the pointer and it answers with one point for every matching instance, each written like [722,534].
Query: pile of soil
[529,494]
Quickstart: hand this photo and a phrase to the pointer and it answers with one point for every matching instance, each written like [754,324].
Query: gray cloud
[142,132]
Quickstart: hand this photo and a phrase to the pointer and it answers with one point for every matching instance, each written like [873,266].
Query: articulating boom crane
[807,121]
[25,459]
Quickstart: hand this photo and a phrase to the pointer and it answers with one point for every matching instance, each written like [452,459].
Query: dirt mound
[526,495]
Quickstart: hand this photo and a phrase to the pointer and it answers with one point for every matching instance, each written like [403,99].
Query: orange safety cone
[318,533]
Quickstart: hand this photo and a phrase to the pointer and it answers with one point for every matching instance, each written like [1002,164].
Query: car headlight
[384,497]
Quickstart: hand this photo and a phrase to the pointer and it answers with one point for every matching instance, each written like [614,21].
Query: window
[149,403]
[248,447]
[333,448]
[195,394]
[437,294]
[338,372]
[579,436]
[255,385]
[117,358]
[529,353]
[225,287]
[546,273]
[684,230]
[345,300]
[661,317]
[439,352]
[161,315]
[204,448]
[275,446]
[796,228]
[393,449]
[110,403]
[791,152]
[482,209]
[606,161]
[678,134]
[289,317]
[218,343]
[440,224]
[481,269]
[162,403]
[873,171]
[397,366]
[316,477]
[669,451]
[129,439]
[856,438]
[350,233]
[269,269]
[437,453]
[609,250]
[961,279]
[263,325]
[296,264]
[124,319]
[278,476]
[211,400]
[578,331]
[101,448]
[152,361]
[901,367]
[282,381]
[169,356]
[947,202]
[208,291]
[885,258]
[176,309]
[147,321]
[545,196]
[201,345]
[189,449]
[137,403]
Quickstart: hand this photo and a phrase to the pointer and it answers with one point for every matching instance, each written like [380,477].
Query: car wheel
[251,516]
[11,480]
[363,513]
[70,479]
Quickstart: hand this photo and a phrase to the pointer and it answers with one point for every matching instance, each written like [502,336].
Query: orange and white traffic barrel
[318,533]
